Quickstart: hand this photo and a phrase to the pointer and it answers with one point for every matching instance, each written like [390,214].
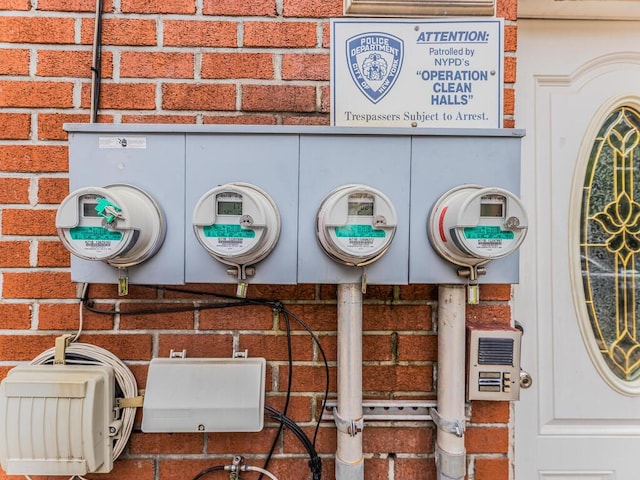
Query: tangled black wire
[315,462]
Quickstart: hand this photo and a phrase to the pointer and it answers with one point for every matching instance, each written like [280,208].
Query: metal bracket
[130,402]
[472,272]
[174,354]
[388,410]
[62,342]
[352,427]
[448,425]
[236,467]
[236,349]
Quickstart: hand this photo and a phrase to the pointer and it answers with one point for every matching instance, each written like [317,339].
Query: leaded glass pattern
[610,241]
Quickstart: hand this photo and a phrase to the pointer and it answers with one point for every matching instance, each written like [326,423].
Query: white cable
[251,468]
[124,377]
[81,318]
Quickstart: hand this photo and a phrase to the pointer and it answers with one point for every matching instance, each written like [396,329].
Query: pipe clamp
[349,426]
[453,426]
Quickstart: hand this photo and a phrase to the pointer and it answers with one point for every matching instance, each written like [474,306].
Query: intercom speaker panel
[493,364]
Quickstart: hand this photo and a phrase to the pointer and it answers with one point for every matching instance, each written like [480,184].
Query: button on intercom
[356,224]
[119,224]
[238,224]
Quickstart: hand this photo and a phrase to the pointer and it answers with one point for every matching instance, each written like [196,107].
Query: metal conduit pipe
[450,414]
[348,415]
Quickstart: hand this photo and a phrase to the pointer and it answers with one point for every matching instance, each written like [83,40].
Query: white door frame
[556,435]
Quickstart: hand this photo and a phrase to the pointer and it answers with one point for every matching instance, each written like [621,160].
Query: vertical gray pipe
[349,456]
[450,451]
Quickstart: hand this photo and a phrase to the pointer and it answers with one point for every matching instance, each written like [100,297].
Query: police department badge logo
[375,60]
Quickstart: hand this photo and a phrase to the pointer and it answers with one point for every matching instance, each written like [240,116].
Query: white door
[573,424]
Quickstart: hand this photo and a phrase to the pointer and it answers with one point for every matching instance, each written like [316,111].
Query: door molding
[580,9]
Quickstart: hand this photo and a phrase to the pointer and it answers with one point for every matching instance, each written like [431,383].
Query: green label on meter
[228,231]
[359,231]
[493,233]
[94,233]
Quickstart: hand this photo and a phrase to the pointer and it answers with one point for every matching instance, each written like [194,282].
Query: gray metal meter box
[136,155]
[296,167]
[330,161]
[267,161]
[448,159]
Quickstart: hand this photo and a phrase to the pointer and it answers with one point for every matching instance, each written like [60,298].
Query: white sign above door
[423,73]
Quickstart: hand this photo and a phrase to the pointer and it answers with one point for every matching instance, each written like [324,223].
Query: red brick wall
[208,61]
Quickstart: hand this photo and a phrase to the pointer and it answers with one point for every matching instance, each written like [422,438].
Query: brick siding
[207,62]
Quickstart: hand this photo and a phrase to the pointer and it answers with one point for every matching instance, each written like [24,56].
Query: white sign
[420,73]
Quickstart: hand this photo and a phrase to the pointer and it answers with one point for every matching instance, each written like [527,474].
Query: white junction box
[55,420]
[204,395]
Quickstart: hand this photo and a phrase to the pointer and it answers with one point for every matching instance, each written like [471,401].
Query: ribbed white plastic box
[55,420]
[204,395]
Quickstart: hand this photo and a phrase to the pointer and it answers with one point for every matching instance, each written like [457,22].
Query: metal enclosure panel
[441,163]
[204,395]
[327,162]
[158,168]
[267,161]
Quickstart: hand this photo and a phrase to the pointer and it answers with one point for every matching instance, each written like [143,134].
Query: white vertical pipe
[349,457]
[450,451]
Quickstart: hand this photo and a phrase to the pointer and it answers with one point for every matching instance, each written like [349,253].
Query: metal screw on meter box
[512,222]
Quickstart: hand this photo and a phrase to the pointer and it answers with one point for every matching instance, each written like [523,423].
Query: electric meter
[118,224]
[471,225]
[356,224]
[238,224]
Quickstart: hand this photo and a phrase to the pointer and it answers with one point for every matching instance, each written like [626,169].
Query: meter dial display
[119,224]
[356,224]
[237,223]
[471,225]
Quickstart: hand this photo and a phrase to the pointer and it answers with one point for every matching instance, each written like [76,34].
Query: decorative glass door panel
[609,243]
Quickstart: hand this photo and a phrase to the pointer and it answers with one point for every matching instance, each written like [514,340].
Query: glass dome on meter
[119,224]
[471,225]
[237,223]
[356,224]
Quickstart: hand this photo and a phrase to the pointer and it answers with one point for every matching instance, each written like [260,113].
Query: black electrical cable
[315,463]
[207,471]
[287,397]
[152,311]
[235,302]
[96,63]
[326,371]
[293,426]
